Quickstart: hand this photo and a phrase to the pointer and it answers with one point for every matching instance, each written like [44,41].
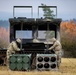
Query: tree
[4,37]
[68,38]
[48,13]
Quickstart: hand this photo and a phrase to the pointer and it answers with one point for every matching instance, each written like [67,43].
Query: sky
[65,8]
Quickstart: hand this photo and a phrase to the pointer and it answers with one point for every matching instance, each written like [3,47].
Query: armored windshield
[30,28]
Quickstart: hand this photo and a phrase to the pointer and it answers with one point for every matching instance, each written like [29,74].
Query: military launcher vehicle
[35,54]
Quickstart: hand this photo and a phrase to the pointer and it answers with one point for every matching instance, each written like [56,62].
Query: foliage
[48,13]
[4,37]
[49,34]
[68,37]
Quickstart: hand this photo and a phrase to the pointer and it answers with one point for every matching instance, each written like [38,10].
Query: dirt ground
[67,67]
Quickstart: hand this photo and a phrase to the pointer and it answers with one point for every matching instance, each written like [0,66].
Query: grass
[67,67]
